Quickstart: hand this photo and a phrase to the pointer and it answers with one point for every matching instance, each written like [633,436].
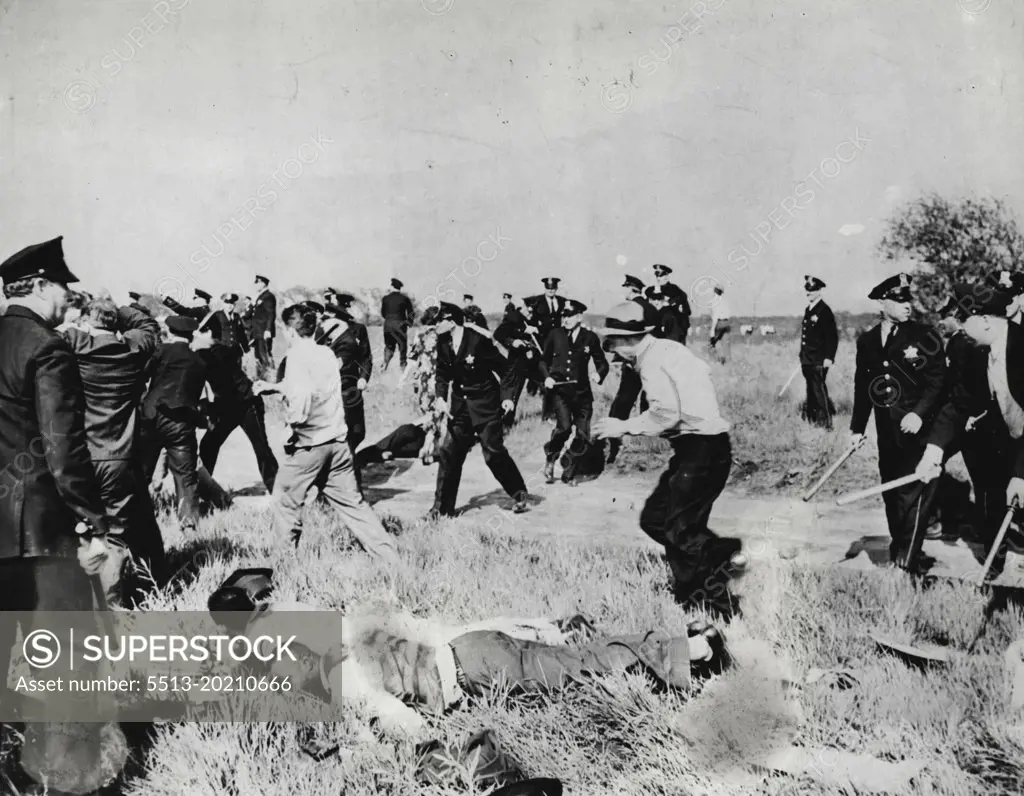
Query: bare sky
[490,144]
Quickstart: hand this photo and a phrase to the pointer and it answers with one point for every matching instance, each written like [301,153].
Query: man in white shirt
[317,454]
[720,326]
[683,408]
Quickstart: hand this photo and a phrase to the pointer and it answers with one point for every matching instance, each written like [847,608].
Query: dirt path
[607,511]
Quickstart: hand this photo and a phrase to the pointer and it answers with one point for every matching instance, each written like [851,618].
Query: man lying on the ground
[392,664]
[408,441]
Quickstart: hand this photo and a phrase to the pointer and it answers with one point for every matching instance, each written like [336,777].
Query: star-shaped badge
[814,318]
[469,359]
[910,352]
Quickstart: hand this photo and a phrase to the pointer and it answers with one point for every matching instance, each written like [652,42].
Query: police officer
[565,367]
[471,366]
[397,311]
[264,326]
[675,303]
[199,310]
[819,341]
[41,502]
[507,299]
[630,387]
[171,414]
[547,312]
[684,410]
[350,342]
[226,326]
[984,413]
[900,375]
[519,337]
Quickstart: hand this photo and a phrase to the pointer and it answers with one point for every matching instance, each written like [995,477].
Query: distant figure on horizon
[720,327]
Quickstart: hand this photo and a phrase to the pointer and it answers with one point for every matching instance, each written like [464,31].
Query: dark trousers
[989,459]
[818,409]
[520,368]
[264,350]
[485,657]
[251,416]
[573,410]
[907,507]
[355,411]
[178,437]
[630,388]
[462,436]
[51,749]
[125,494]
[395,337]
[676,514]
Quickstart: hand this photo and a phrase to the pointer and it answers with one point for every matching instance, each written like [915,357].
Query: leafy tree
[951,242]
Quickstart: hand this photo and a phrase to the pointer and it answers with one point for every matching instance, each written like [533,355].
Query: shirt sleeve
[663,404]
[297,391]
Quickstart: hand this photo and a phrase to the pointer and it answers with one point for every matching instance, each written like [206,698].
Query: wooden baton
[1000,537]
[788,382]
[878,490]
[833,469]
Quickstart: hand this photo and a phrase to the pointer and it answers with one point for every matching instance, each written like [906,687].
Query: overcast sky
[502,141]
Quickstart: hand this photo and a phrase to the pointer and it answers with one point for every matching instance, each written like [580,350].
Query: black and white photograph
[512,398]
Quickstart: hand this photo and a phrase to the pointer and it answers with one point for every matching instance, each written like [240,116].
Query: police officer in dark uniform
[226,326]
[234,404]
[47,486]
[819,341]
[983,413]
[519,337]
[264,327]
[547,312]
[900,375]
[199,311]
[397,311]
[507,298]
[565,366]
[471,366]
[630,386]
[474,314]
[676,309]
[171,414]
[350,342]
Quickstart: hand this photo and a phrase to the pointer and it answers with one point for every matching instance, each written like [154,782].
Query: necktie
[551,303]
[892,334]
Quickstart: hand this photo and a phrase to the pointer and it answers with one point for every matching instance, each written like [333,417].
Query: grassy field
[614,738]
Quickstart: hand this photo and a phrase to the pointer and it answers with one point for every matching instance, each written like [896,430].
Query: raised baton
[878,490]
[998,542]
[788,382]
[832,470]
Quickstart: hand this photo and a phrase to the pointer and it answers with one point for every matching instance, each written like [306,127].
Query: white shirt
[680,393]
[312,392]
[720,311]
[1013,414]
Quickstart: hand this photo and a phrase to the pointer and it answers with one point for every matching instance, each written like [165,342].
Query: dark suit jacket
[564,360]
[47,481]
[819,337]
[264,315]
[543,318]
[396,309]
[907,375]
[113,375]
[229,332]
[177,377]
[652,315]
[352,348]
[230,385]
[477,375]
[970,394]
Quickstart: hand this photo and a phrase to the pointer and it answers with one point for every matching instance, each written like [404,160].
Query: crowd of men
[93,394]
